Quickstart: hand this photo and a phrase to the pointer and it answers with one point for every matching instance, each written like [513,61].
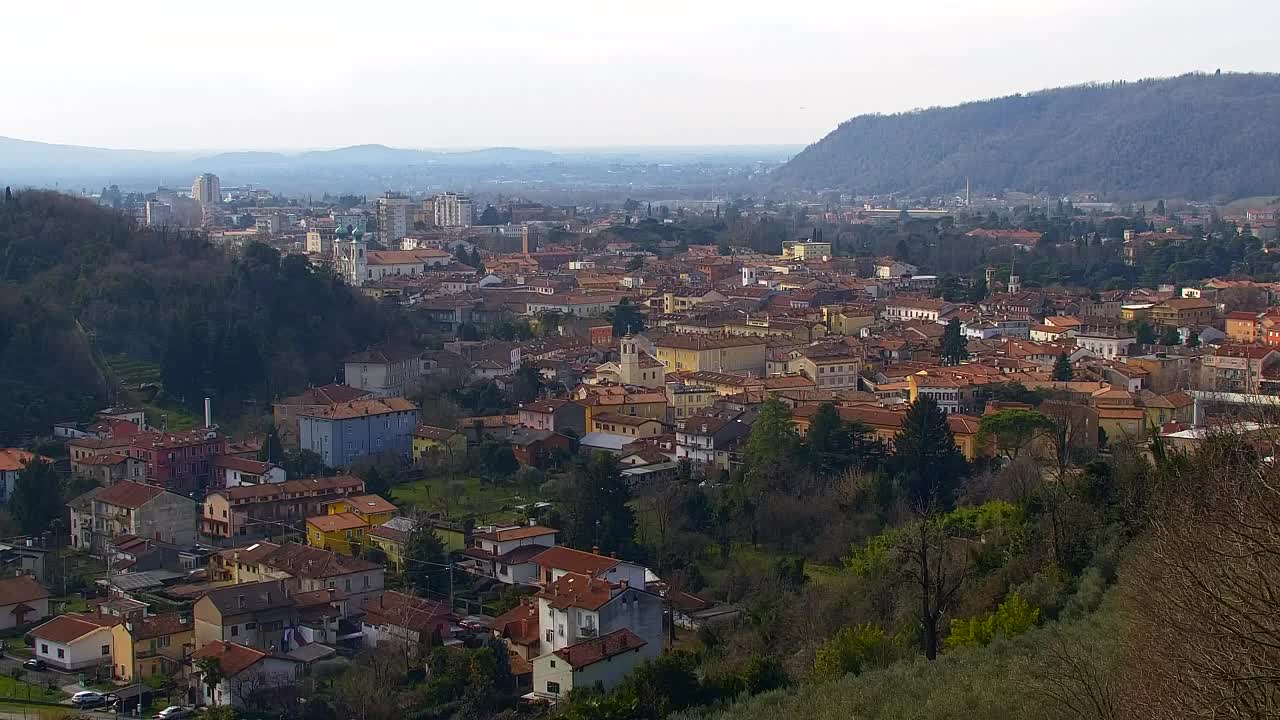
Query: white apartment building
[452,210]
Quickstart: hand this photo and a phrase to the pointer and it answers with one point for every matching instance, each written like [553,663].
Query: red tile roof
[21,589]
[577,591]
[128,494]
[233,659]
[593,651]
[574,561]
[66,628]
[336,522]
[12,459]
[516,533]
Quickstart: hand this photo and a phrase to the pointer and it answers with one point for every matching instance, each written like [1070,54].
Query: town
[612,453]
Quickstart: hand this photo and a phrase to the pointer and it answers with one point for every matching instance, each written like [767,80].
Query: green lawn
[465,497]
[131,374]
[15,689]
[37,712]
[760,559]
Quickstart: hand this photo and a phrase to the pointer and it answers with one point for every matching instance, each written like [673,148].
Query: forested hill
[79,283]
[1193,136]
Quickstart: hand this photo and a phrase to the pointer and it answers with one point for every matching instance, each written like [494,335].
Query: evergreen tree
[828,442]
[1193,340]
[476,261]
[954,347]
[769,455]
[425,560]
[272,451]
[978,290]
[37,496]
[598,513]
[1062,368]
[1171,337]
[626,319]
[925,456]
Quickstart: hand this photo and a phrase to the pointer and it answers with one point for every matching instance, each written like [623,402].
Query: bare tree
[1205,636]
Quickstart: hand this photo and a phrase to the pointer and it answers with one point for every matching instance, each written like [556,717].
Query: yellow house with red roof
[347,523]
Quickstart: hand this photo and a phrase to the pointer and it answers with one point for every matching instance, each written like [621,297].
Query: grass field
[36,712]
[744,556]
[465,497]
[16,689]
[133,373]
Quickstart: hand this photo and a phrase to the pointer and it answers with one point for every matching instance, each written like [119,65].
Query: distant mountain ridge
[1194,136]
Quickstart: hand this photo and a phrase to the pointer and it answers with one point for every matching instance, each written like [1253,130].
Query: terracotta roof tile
[233,659]
[593,651]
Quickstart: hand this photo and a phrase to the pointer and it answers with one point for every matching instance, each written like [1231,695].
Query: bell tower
[629,361]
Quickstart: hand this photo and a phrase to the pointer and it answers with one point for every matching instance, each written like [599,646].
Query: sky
[295,74]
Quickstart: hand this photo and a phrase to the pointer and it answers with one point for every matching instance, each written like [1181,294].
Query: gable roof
[336,522]
[574,561]
[151,626]
[21,589]
[233,658]
[257,596]
[305,561]
[593,651]
[128,494]
[66,629]
[572,590]
[521,532]
[13,459]
[407,611]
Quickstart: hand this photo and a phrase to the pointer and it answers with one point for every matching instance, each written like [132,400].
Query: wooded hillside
[1194,136]
[78,283]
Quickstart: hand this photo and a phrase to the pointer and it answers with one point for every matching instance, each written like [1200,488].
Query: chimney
[208,413]
[595,549]
[613,554]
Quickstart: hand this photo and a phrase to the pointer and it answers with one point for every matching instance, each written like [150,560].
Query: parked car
[175,712]
[88,698]
[34,664]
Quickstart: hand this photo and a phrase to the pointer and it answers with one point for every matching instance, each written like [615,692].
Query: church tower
[629,361]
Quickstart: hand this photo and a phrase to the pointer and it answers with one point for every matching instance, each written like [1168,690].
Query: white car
[175,712]
[87,698]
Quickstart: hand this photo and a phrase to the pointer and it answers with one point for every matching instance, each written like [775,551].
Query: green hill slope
[1194,136]
[78,282]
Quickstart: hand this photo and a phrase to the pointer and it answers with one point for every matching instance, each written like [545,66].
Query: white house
[246,673]
[73,642]
[575,608]
[605,661]
[554,563]
[1105,342]
[890,269]
[231,471]
[507,553]
[916,309]
[22,602]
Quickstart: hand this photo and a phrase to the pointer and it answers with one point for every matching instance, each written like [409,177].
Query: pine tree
[272,450]
[925,456]
[598,513]
[829,442]
[1193,340]
[1062,368]
[37,497]
[425,559]
[769,456]
[954,346]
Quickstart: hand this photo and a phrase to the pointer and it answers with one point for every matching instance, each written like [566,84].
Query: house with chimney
[403,623]
[507,553]
[253,614]
[254,511]
[145,645]
[601,662]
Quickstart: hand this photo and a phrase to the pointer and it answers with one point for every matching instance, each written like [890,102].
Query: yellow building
[805,250]
[392,536]
[613,399]
[430,440]
[372,509]
[340,532]
[688,400]
[151,645]
[689,352]
[347,523]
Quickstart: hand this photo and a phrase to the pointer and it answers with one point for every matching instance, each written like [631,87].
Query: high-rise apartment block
[452,210]
[207,189]
[395,217]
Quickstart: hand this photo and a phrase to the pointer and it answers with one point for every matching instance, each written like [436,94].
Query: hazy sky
[569,73]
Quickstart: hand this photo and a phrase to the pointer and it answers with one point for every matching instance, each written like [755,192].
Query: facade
[130,508]
[73,642]
[806,250]
[344,433]
[231,471]
[599,662]
[253,614]
[709,442]
[247,674]
[23,601]
[395,217]
[253,511]
[106,468]
[285,412]
[1106,342]
[507,553]
[555,415]
[679,352]
[395,263]
[179,461]
[629,425]
[146,645]
[452,210]
[382,371]
[1236,368]
[309,569]
[207,189]
[437,442]
[403,623]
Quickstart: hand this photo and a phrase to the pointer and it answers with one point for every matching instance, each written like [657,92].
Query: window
[250,626]
[235,630]
[553,688]
[44,647]
[106,649]
[61,653]
[347,585]
[553,663]
[366,581]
